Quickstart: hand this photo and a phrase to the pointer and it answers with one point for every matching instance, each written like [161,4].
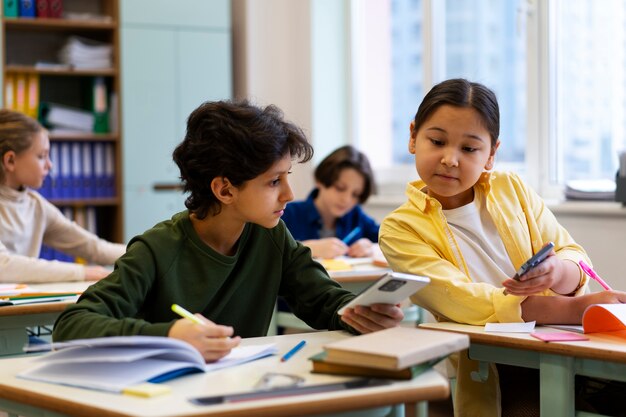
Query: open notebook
[114,363]
[600,318]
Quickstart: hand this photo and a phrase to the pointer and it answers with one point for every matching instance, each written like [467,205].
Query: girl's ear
[222,189]
[491,161]
[412,138]
[8,160]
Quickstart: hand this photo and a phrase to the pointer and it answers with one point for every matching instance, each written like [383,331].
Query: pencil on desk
[293,351]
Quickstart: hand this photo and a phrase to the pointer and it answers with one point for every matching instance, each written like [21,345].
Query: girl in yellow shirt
[469,229]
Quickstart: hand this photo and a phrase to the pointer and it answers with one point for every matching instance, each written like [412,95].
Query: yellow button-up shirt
[417,239]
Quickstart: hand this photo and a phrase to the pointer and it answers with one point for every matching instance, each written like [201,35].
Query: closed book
[395,348]
[321,366]
[43,8]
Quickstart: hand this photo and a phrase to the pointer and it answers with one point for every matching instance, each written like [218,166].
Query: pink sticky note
[559,337]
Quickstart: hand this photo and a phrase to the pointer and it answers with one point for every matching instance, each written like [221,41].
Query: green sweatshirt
[170,264]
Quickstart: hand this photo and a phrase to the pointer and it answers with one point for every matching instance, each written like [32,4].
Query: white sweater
[26,221]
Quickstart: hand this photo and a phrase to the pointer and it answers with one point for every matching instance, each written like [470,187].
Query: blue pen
[351,235]
[296,348]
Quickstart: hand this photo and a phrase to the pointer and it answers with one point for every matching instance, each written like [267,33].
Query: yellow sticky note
[335,265]
[147,390]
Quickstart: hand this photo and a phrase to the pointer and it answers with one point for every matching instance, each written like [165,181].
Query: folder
[9,91]
[11,8]
[87,171]
[65,171]
[109,169]
[56,8]
[55,186]
[100,106]
[98,169]
[76,190]
[43,8]
[20,92]
[32,96]
[27,8]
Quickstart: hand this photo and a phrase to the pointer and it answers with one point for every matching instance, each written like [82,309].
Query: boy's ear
[222,189]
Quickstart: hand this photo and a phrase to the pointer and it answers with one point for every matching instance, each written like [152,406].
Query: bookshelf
[31,48]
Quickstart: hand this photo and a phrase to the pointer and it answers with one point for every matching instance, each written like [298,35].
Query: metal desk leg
[557,397]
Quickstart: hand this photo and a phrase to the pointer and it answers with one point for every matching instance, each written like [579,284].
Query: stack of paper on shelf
[85,53]
[399,350]
[114,363]
[65,118]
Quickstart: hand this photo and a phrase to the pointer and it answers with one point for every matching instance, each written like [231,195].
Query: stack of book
[396,353]
[85,53]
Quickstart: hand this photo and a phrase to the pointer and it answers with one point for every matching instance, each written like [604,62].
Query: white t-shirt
[480,243]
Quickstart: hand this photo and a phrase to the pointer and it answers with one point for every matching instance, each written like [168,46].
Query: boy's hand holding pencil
[212,340]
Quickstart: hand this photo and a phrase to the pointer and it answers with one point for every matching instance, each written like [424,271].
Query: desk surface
[82,402]
[601,346]
[44,308]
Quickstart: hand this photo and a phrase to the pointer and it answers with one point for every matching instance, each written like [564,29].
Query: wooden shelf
[83,202]
[68,25]
[28,41]
[29,69]
[84,137]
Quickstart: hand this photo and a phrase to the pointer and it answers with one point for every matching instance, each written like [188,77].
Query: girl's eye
[436,142]
[469,149]
[275,182]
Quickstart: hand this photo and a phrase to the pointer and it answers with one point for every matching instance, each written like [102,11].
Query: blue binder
[27,8]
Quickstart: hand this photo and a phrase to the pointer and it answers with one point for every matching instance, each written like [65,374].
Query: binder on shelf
[109,169]
[87,170]
[98,169]
[100,106]
[20,92]
[26,8]
[11,8]
[9,91]
[43,8]
[32,95]
[65,171]
[76,187]
[91,220]
[53,175]
[56,8]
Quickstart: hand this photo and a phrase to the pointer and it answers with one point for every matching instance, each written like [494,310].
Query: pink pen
[592,274]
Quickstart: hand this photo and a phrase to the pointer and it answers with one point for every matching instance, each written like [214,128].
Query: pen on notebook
[592,274]
[351,235]
[186,314]
[293,350]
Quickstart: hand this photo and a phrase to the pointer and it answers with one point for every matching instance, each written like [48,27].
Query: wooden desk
[15,320]
[30,398]
[603,356]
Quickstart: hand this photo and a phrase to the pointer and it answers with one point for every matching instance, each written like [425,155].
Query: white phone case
[391,288]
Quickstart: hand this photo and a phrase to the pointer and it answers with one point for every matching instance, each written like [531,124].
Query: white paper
[510,327]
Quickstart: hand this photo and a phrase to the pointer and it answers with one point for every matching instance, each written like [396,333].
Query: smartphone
[535,260]
[391,288]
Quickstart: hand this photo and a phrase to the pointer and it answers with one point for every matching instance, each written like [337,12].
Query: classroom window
[558,68]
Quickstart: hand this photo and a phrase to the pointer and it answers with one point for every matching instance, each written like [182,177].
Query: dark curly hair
[327,172]
[236,140]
